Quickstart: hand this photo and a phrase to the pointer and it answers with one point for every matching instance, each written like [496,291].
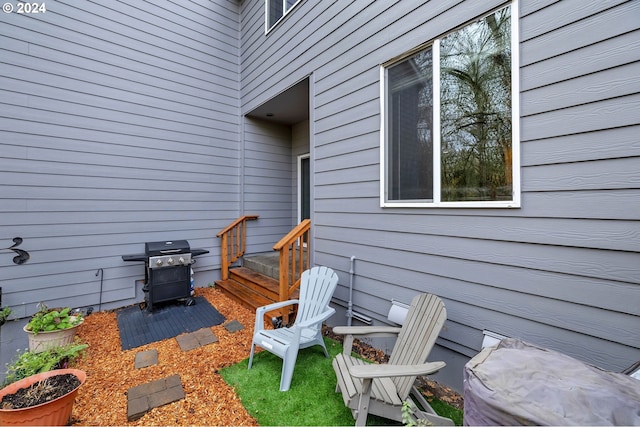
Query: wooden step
[253,290]
[264,285]
[242,294]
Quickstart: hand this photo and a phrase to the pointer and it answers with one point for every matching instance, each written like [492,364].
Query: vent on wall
[398,312]
[362,318]
[491,338]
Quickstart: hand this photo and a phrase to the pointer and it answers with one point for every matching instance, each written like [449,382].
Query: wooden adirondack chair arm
[380,371]
[371,331]
[367,330]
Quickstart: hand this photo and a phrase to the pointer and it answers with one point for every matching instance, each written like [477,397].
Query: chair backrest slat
[316,290]
[424,321]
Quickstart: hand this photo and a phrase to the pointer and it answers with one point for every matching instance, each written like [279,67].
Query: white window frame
[515,128]
[286,11]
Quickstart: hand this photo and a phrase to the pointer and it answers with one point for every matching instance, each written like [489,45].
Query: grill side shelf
[135,257]
[197,252]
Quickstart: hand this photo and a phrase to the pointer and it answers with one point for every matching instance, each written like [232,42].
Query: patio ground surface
[12,340]
[115,375]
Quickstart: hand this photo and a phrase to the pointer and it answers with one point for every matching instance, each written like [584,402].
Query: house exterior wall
[563,270]
[119,124]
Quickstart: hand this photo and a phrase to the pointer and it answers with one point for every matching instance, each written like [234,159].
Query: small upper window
[450,119]
[275,10]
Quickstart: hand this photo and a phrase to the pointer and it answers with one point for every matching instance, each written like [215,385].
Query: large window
[275,10]
[450,115]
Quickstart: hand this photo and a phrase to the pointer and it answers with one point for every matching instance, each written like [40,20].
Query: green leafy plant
[47,320]
[409,420]
[4,314]
[28,363]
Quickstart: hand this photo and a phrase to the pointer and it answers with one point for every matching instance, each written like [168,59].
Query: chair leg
[324,347]
[253,349]
[429,414]
[288,364]
[363,404]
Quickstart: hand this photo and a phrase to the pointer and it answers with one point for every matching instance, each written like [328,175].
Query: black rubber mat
[139,327]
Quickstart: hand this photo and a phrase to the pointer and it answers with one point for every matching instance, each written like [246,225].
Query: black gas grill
[167,270]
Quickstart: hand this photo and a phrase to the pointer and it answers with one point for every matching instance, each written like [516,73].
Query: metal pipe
[351,275]
[101,273]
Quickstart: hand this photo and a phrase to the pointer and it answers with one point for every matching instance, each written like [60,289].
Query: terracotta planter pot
[53,413]
[45,340]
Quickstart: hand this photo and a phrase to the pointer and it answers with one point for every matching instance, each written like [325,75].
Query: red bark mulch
[102,400]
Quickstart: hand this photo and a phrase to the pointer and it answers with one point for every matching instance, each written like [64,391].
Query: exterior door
[304,187]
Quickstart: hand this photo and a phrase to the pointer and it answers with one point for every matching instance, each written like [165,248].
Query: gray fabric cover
[515,383]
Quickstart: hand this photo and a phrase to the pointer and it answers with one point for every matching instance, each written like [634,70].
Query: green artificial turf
[311,399]
[447,411]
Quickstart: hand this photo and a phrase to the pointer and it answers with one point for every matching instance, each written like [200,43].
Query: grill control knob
[181,260]
[159,263]
[171,261]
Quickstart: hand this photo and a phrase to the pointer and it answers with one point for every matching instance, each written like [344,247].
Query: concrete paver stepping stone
[143,398]
[196,339]
[234,326]
[146,358]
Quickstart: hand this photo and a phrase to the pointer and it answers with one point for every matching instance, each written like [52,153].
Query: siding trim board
[118,127]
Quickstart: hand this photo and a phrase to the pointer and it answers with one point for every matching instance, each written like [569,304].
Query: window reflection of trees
[475,90]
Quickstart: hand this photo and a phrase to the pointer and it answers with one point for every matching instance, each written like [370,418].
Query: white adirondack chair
[316,289]
[382,389]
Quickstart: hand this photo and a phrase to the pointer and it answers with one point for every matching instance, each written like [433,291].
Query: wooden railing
[294,258]
[234,243]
